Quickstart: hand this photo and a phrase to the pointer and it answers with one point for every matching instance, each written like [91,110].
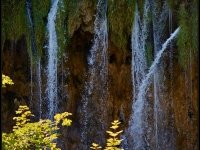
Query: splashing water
[51,89]
[98,66]
[160,17]
[139,65]
[139,104]
[38,65]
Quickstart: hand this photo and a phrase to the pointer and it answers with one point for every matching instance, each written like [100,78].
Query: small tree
[113,142]
[28,135]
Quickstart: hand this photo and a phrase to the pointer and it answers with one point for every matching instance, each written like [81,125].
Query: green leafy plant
[95,146]
[34,135]
[6,80]
[113,142]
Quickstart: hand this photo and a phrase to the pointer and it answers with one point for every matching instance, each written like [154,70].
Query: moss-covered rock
[187,39]
[120,20]
[40,11]
[13,19]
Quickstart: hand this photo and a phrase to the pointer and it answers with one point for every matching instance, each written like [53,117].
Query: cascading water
[33,53]
[145,81]
[171,53]
[31,27]
[39,87]
[160,17]
[171,66]
[98,69]
[28,12]
[136,125]
[139,65]
[51,89]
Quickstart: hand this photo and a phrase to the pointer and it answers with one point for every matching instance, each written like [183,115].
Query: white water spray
[98,65]
[139,65]
[52,61]
[38,65]
[139,104]
[39,88]
[159,22]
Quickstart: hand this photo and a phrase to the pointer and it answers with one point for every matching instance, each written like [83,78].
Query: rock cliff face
[15,63]
[185,105]
[181,108]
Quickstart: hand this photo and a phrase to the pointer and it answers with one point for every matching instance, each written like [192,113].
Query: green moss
[61,27]
[13,19]
[120,18]
[174,4]
[141,7]
[15,22]
[73,14]
[187,39]
[40,11]
[64,9]
[194,26]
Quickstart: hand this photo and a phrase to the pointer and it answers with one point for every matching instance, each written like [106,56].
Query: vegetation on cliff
[120,20]
[188,36]
[14,22]
[40,11]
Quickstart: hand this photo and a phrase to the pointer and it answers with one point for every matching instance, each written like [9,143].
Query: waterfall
[98,69]
[39,87]
[38,64]
[171,80]
[171,54]
[31,27]
[51,89]
[160,17]
[31,72]
[30,23]
[136,126]
[145,82]
[139,65]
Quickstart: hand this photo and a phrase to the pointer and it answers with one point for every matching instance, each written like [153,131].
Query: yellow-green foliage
[188,37]
[120,16]
[6,80]
[34,135]
[24,118]
[113,142]
[95,146]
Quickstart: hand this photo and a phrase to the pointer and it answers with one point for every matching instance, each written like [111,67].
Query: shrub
[28,135]
[113,142]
